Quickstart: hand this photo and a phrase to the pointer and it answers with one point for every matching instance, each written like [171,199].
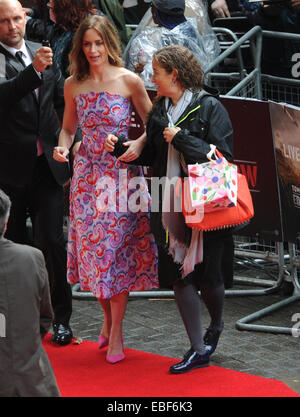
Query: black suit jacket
[24,118]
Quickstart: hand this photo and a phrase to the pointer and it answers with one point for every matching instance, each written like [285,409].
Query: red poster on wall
[255,156]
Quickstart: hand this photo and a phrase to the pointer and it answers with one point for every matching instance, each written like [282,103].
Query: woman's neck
[101,72]
[98,74]
[177,96]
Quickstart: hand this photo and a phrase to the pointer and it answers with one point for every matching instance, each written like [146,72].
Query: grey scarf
[172,217]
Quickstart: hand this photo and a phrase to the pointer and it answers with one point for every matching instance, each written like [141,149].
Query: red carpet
[82,371]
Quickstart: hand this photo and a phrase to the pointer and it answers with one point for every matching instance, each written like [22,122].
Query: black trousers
[43,201]
[216,268]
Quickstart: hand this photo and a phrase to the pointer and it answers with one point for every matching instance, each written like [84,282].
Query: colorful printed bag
[223,217]
[213,184]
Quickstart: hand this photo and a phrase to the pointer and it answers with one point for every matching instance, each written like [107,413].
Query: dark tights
[189,305]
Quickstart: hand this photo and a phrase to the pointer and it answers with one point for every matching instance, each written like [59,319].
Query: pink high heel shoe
[102,341]
[116,358]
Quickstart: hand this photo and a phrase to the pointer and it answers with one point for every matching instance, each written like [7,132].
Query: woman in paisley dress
[111,250]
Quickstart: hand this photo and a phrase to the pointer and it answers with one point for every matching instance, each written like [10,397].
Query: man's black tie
[19,58]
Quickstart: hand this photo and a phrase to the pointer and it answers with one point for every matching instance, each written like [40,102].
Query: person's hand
[43,58]
[60,154]
[28,11]
[110,141]
[169,133]
[134,150]
[219,8]
[295,4]
[139,67]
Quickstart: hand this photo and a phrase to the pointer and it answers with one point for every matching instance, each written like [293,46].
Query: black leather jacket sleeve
[211,125]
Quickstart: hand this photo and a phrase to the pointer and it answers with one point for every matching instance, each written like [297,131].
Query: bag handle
[213,152]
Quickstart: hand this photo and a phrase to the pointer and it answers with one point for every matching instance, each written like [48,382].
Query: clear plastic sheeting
[195,34]
[198,9]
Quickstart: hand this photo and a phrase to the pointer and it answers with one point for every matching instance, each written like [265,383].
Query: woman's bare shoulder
[70,81]
[131,79]
[73,86]
[130,76]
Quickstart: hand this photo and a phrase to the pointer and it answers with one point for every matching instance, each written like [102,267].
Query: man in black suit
[31,105]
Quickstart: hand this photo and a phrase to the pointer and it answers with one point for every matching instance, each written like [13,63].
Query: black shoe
[62,334]
[211,338]
[189,352]
[192,361]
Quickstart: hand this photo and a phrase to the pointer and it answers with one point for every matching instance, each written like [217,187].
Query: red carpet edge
[82,371]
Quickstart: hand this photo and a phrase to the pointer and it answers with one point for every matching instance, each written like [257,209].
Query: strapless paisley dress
[110,245]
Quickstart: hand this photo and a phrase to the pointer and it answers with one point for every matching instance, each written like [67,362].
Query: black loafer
[211,338]
[62,334]
[188,352]
[191,361]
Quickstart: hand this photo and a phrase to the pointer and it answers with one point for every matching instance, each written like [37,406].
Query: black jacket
[204,122]
[24,118]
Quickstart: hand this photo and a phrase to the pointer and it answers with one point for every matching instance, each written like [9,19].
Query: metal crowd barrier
[265,87]
[244,323]
[286,90]
[225,81]
[286,86]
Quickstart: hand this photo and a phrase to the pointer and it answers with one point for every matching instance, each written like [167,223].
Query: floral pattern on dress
[113,250]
